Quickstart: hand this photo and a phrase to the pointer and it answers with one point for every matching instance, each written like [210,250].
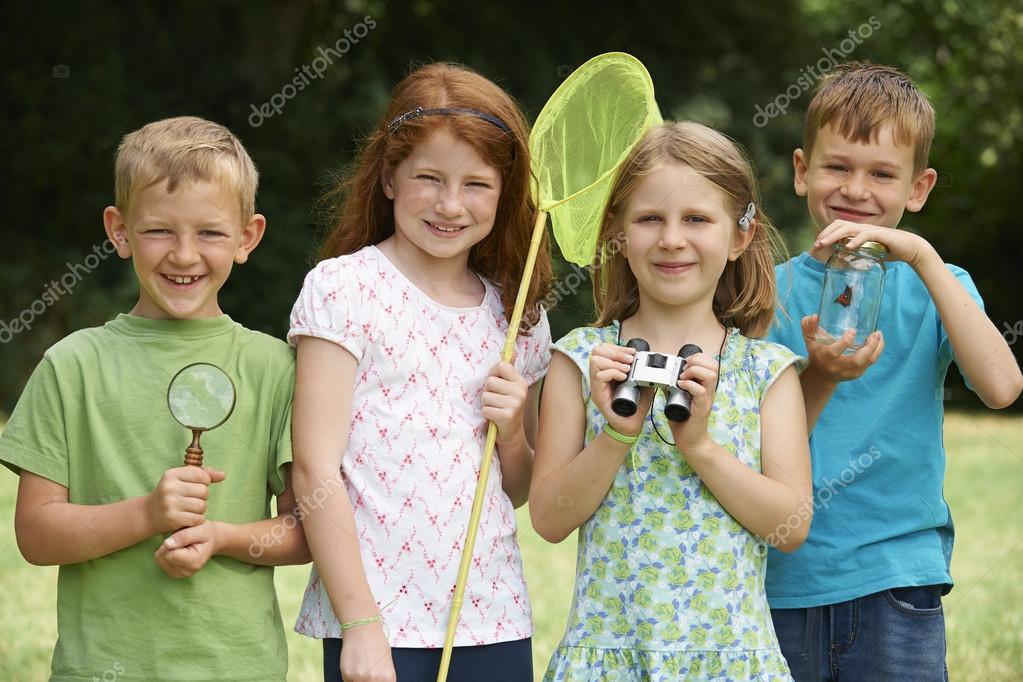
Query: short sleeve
[944,345]
[35,438]
[577,346]
[281,456]
[330,306]
[768,361]
[534,351]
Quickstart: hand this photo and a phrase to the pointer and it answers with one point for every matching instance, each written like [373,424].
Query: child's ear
[799,165]
[117,231]
[387,181]
[252,234]
[742,240]
[922,187]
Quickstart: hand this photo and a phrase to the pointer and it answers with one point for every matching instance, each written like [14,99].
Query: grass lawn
[984,611]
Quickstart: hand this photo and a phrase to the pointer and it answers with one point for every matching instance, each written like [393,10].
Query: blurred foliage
[78,76]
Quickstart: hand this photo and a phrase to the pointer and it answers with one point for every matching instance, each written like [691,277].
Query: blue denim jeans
[897,635]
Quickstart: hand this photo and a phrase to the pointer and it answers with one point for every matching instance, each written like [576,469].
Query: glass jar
[851,296]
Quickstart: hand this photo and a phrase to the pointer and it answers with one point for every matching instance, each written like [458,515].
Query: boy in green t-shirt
[165,570]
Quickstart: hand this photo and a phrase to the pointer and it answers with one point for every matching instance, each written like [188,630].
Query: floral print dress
[668,585]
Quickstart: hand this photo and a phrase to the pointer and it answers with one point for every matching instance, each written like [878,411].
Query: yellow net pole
[488,451]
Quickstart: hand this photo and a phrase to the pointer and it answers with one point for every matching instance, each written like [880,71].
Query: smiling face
[183,245]
[679,236]
[872,182]
[445,198]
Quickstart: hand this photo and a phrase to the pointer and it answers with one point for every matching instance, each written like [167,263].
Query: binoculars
[657,371]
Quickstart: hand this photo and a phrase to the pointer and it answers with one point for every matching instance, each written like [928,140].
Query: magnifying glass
[201,397]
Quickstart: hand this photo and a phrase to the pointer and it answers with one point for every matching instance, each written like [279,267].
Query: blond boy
[158,579]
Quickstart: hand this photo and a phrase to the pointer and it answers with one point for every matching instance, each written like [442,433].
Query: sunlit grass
[984,611]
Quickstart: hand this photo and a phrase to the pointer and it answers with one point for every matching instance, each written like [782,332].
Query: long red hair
[363,215]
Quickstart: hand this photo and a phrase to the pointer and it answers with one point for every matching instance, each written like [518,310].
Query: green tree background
[78,76]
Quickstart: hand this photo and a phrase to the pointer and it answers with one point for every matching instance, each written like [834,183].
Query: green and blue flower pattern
[668,585]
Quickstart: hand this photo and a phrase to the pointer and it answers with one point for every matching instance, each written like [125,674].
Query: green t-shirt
[94,419]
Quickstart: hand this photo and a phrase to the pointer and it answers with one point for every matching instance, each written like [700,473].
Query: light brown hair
[745,295]
[857,99]
[184,148]
[362,215]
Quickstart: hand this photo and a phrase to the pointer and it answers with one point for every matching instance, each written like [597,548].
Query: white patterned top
[414,450]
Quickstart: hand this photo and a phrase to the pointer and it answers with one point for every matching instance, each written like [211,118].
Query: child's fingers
[502,401]
[183,519]
[865,236]
[185,537]
[698,373]
[696,389]
[192,505]
[610,375]
[193,474]
[505,386]
[617,353]
[194,490]
[876,352]
[836,349]
[216,475]
[827,235]
[809,325]
[504,370]
[602,363]
[185,562]
[161,560]
[700,361]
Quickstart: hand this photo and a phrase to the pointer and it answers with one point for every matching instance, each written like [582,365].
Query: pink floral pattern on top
[414,450]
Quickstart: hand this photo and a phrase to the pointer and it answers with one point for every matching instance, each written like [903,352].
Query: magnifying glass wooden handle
[193,453]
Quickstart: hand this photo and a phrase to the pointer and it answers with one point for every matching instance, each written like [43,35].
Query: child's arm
[980,350]
[764,503]
[513,405]
[50,530]
[828,366]
[570,481]
[324,384]
[277,541]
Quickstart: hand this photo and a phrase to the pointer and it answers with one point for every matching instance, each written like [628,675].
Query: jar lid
[876,248]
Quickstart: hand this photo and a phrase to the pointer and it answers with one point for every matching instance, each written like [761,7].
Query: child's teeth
[183,280]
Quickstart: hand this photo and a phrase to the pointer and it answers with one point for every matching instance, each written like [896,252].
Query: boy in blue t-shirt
[166,571]
[862,597]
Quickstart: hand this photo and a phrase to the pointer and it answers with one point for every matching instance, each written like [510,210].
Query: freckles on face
[445,197]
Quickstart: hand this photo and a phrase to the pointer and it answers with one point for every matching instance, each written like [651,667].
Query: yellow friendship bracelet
[362,621]
[620,437]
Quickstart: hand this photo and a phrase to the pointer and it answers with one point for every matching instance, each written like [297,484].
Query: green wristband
[620,437]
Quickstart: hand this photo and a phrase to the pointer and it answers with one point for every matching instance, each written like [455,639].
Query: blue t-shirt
[880,517]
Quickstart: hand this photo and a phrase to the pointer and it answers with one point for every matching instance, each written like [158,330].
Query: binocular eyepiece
[658,371]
